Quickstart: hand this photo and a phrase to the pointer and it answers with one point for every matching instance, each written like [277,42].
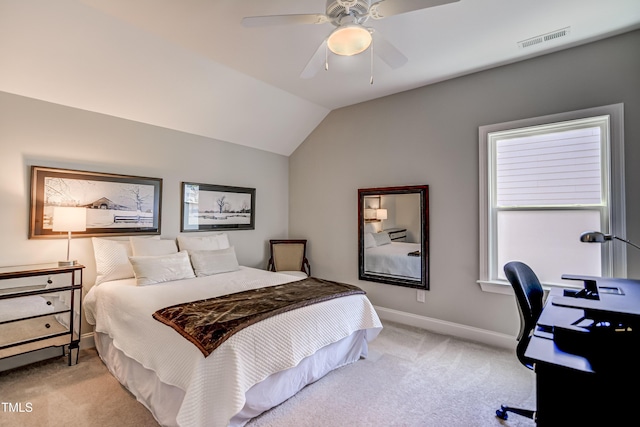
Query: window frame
[613,254]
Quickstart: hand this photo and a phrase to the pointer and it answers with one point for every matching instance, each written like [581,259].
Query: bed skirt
[164,401]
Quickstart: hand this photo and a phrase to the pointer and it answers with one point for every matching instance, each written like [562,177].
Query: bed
[254,370]
[385,257]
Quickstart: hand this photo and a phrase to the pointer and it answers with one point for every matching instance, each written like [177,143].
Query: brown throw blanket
[210,322]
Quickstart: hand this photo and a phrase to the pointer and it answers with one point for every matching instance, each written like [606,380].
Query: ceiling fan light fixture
[348,40]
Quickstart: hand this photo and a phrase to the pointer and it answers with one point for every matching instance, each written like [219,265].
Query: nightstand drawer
[31,329]
[397,234]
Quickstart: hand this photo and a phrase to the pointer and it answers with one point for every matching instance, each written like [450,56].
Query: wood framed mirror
[393,235]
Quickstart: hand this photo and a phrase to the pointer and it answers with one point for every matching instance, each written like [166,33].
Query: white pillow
[381,238]
[143,246]
[162,268]
[207,263]
[203,243]
[369,241]
[112,259]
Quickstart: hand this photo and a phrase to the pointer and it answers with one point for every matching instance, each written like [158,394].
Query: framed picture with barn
[113,204]
[208,207]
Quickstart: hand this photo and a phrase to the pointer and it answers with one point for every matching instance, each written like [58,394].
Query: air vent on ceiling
[533,41]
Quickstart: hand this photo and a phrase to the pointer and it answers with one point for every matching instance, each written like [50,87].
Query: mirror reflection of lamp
[369,214]
[67,218]
[381,214]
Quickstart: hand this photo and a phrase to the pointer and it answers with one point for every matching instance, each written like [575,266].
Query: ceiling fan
[350,37]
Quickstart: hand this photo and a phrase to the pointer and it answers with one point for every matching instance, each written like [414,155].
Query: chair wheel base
[502,414]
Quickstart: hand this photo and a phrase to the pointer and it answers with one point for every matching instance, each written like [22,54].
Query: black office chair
[529,295]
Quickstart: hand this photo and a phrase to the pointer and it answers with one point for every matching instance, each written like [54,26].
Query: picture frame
[116,204]
[207,207]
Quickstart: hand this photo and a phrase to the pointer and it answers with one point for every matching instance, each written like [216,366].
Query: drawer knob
[46,325]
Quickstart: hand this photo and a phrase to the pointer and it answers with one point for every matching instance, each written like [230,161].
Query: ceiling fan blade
[316,62]
[273,20]
[388,52]
[395,7]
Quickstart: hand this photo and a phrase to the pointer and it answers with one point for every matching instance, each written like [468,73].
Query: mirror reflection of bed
[388,257]
[393,235]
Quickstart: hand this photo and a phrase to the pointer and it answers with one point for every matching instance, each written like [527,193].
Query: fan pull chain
[326,57]
[371,79]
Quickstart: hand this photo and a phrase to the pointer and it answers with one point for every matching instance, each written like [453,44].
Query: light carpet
[412,377]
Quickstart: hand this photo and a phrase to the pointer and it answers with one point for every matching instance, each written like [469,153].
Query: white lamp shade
[66,218]
[369,214]
[381,213]
[349,40]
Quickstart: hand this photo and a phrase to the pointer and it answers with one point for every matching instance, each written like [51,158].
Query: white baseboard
[448,328]
[86,341]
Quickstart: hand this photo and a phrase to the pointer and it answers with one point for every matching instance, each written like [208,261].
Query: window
[543,182]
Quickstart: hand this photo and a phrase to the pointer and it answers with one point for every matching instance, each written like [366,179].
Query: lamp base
[67,263]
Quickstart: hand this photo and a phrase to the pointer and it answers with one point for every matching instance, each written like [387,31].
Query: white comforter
[215,386]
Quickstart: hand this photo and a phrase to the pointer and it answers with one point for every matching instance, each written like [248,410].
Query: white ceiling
[190,65]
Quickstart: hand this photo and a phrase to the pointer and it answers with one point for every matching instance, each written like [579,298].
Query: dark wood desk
[574,388]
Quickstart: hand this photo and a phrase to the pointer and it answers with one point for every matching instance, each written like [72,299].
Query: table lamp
[67,218]
[369,214]
[598,237]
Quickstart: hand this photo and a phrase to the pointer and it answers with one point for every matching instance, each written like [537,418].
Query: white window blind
[550,169]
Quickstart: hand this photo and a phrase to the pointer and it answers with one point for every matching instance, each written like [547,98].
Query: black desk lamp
[598,237]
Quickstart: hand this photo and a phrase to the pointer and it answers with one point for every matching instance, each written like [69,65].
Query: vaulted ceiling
[191,65]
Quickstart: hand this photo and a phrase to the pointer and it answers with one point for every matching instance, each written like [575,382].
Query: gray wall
[430,136]
[39,133]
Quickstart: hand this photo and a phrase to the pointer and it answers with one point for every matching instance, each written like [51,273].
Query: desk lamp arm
[626,241]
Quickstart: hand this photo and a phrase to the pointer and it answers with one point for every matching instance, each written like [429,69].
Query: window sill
[496,287]
[504,287]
